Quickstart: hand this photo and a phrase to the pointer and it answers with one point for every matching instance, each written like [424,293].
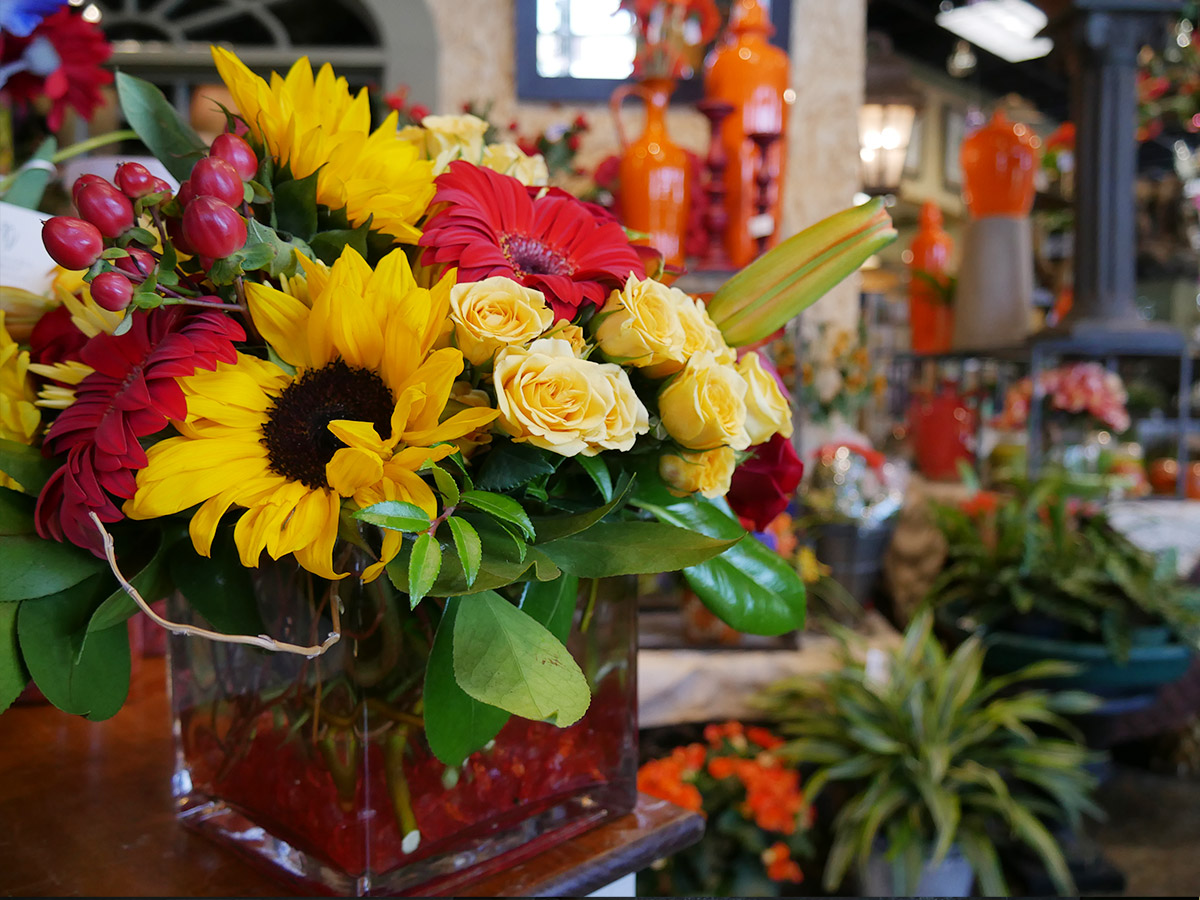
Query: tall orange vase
[930,316]
[654,173]
[746,70]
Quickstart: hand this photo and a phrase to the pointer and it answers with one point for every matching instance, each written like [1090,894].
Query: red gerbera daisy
[131,394]
[491,225]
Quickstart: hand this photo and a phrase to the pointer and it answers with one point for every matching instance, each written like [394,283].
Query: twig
[264,641]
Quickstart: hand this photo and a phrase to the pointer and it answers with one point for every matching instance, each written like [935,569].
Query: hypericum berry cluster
[201,220]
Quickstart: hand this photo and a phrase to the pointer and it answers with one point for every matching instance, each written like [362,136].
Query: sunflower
[356,419]
[312,124]
[19,418]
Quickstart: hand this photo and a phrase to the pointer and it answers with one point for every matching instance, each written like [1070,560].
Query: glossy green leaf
[468,546]
[13,675]
[395,514]
[329,244]
[26,465]
[501,507]
[152,581]
[456,724]
[423,567]
[509,465]
[552,603]
[551,528]
[219,587]
[33,567]
[447,485]
[633,548]
[296,206]
[89,679]
[597,470]
[504,658]
[30,183]
[159,125]
[16,513]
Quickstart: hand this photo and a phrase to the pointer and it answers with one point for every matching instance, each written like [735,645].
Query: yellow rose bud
[767,409]
[573,335]
[509,159]
[708,472]
[550,398]
[639,326]
[496,312]
[704,406]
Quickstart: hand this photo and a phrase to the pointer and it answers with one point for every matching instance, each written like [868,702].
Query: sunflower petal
[282,320]
[317,556]
[352,469]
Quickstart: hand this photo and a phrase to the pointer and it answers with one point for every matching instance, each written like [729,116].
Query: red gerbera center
[490,224]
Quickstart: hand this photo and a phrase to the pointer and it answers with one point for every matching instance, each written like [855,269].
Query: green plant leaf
[88,679]
[504,658]
[26,465]
[468,546]
[456,724]
[267,251]
[152,581]
[551,528]
[447,485]
[552,603]
[423,567]
[219,587]
[16,513]
[34,567]
[502,507]
[509,465]
[159,126]
[633,548]
[13,675]
[328,244]
[30,183]
[395,514]
[597,470]
[296,206]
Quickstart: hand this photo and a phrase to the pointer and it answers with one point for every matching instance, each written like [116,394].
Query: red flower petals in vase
[490,225]
[132,392]
[763,485]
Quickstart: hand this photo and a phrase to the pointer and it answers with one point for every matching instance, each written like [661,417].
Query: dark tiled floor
[1153,832]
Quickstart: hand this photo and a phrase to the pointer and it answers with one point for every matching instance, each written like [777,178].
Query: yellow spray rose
[704,406]
[639,325]
[700,333]
[509,159]
[767,409]
[708,472]
[444,139]
[550,398]
[496,312]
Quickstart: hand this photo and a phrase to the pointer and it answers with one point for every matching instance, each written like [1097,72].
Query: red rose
[763,485]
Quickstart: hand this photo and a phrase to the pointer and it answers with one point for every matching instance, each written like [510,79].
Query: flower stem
[93,143]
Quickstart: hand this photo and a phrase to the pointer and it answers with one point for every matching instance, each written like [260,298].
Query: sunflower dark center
[297,438]
[529,256]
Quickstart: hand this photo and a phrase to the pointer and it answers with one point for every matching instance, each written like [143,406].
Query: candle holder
[716,218]
[763,178]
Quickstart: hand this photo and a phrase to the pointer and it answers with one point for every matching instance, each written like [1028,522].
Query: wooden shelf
[89,811]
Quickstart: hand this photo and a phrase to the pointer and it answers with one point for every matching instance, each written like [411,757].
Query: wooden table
[86,810]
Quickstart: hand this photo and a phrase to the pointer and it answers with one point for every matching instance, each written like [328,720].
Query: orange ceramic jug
[748,72]
[930,315]
[654,173]
[999,161]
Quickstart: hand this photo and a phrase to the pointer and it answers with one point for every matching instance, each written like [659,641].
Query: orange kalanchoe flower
[780,865]
[663,778]
[764,738]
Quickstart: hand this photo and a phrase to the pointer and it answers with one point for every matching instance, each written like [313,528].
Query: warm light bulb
[890,139]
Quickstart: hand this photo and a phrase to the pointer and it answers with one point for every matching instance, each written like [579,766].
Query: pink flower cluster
[1085,388]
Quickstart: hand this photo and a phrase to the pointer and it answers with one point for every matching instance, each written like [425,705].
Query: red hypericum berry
[112,290]
[237,153]
[213,228]
[106,208]
[213,177]
[83,181]
[186,194]
[72,243]
[135,180]
[175,233]
[138,263]
[206,262]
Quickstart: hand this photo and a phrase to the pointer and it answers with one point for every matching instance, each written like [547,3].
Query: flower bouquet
[757,820]
[385,422]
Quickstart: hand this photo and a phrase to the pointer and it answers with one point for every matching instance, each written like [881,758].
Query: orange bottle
[930,316]
[654,173]
[749,72]
[999,161]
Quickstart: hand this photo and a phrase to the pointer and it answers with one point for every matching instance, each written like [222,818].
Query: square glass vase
[319,771]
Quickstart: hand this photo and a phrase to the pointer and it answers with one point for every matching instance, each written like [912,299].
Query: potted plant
[1046,576]
[938,763]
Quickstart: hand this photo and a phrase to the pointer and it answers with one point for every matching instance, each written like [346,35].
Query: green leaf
[552,603]
[159,126]
[447,485]
[597,470]
[749,587]
[509,465]
[13,675]
[16,513]
[219,587]
[423,567]
[396,515]
[151,582]
[89,679]
[632,548]
[468,545]
[34,567]
[456,724]
[551,528]
[505,508]
[267,251]
[28,187]
[296,206]
[504,658]
[328,245]
[26,466]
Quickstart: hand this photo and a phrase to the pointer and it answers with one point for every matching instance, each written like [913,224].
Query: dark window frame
[538,88]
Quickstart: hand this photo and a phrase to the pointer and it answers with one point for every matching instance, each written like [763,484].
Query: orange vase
[930,316]
[746,70]
[999,161]
[654,173]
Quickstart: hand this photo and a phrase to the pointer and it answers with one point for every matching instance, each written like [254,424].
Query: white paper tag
[24,262]
[760,225]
